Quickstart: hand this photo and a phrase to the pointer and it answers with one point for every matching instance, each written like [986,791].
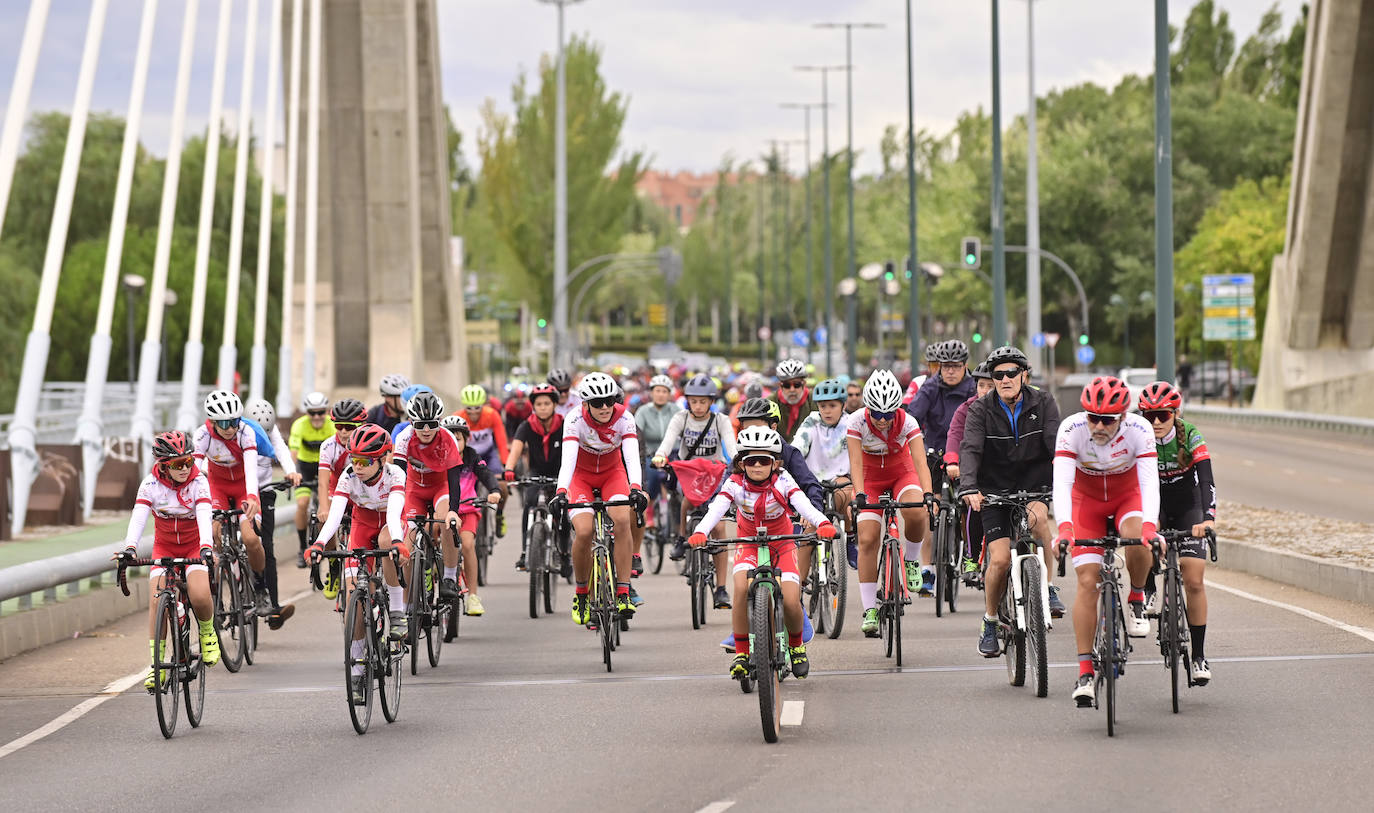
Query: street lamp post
[1033,301]
[999,254]
[824,71]
[560,202]
[171,301]
[1164,201]
[853,313]
[914,307]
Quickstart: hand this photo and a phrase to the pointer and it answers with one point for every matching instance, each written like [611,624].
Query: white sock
[396,597]
[868,592]
[991,618]
[356,650]
[913,551]
[451,572]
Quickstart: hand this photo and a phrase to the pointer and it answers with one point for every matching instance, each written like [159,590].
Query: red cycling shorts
[1094,499]
[896,480]
[783,554]
[226,493]
[419,498]
[613,484]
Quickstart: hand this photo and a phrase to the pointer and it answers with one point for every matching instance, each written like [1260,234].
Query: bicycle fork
[1018,561]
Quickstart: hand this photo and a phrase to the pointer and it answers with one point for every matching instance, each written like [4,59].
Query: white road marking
[792,711]
[114,689]
[1290,472]
[1248,462]
[1366,634]
[717,807]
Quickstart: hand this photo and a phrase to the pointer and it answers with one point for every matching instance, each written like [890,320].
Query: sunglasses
[792,385]
[346,426]
[952,365]
[228,423]
[758,460]
[563,391]
[1105,420]
[881,416]
[361,462]
[600,403]
[425,424]
[1002,375]
[1159,415]
[180,464]
[315,413]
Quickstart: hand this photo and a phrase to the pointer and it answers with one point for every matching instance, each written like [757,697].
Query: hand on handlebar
[696,540]
[974,501]
[294,478]
[1064,539]
[509,476]
[1200,529]
[127,553]
[825,530]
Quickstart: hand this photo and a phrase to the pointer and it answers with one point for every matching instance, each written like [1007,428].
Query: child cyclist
[762,492]
[375,488]
[260,415]
[226,450]
[347,415]
[430,457]
[541,437]
[886,456]
[178,498]
[822,440]
[470,471]
[488,439]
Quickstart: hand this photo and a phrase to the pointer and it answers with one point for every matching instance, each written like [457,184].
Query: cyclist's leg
[269,572]
[998,559]
[622,516]
[310,473]
[198,588]
[1089,522]
[870,534]
[746,559]
[1138,558]
[784,556]
[1038,516]
[584,526]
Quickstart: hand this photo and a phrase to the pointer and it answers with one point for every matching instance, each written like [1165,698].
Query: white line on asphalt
[792,711]
[1366,634]
[1248,462]
[717,807]
[114,689]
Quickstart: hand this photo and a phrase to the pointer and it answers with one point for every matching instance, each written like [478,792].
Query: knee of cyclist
[1087,580]
[1192,581]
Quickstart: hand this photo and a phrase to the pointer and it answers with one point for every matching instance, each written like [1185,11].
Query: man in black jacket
[1008,446]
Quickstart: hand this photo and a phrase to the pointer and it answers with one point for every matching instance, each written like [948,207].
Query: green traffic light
[977,338]
[1082,338]
[889,275]
[970,259]
[543,323]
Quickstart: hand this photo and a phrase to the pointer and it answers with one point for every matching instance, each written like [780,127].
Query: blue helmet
[828,390]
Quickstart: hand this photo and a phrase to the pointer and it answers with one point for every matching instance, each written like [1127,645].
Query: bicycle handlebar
[1207,533]
[834,484]
[126,562]
[536,480]
[1021,498]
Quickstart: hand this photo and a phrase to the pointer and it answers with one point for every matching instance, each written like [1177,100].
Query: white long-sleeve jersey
[1100,471]
[385,494]
[737,494]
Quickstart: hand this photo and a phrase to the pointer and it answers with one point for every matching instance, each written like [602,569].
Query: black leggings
[269,570]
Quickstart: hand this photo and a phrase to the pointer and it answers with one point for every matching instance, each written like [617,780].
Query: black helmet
[424,406]
[171,445]
[560,378]
[348,410]
[701,384]
[754,409]
[982,370]
[950,351]
[1007,353]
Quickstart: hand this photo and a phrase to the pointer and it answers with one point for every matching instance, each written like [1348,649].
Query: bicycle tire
[534,564]
[1109,608]
[415,601]
[166,667]
[358,611]
[897,577]
[1015,650]
[651,552]
[953,559]
[482,553]
[695,582]
[603,605]
[1175,621]
[248,613]
[837,577]
[884,605]
[762,630]
[228,623]
[938,557]
[818,605]
[434,635]
[193,682]
[552,564]
[1037,655]
[389,675]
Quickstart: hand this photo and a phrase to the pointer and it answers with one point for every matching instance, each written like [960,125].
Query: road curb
[1334,579]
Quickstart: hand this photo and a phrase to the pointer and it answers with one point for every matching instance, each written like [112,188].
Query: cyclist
[488,440]
[853,396]
[1105,465]
[1187,502]
[918,377]
[308,433]
[793,398]
[226,451]
[821,440]
[601,452]
[567,399]
[886,455]
[651,423]
[471,471]
[933,407]
[259,415]
[762,492]
[346,415]
[392,409]
[177,496]
[704,434]
[429,456]
[406,395]
[516,410]
[541,438]
[1008,445]
[973,524]
[375,488]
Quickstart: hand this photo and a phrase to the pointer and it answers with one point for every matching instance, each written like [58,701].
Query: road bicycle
[543,558]
[603,617]
[423,604]
[486,542]
[1175,640]
[948,554]
[893,595]
[177,668]
[827,582]
[663,533]
[459,608]
[701,571]
[236,613]
[1023,613]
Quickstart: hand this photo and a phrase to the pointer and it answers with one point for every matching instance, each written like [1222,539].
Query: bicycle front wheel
[359,613]
[415,602]
[1173,625]
[167,657]
[551,567]
[1108,611]
[764,633]
[954,559]
[228,618]
[388,675]
[603,605]
[1037,657]
[837,577]
[248,612]
[1015,649]
[534,564]
[940,555]
[696,582]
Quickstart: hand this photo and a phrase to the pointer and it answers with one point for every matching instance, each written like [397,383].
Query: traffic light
[889,270]
[972,254]
[977,337]
[1083,338]
[543,323]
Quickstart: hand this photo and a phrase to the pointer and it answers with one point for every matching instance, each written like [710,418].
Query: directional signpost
[1228,315]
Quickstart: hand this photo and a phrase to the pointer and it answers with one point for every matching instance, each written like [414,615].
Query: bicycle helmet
[882,392]
[547,390]
[828,390]
[661,381]
[951,351]
[701,385]
[597,385]
[315,402]
[754,390]
[262,412]
[394,384]
[982,370]
[754,409]
[757,439]
[412,391]
[456,423]
[171,445]
[1106,395]
[370,440]
[1160,395]
[789,369]
[560,378]
[774,411]
[348,410]
[930,352]
[1007,353]
[223,405]
[425,406]
[473,396]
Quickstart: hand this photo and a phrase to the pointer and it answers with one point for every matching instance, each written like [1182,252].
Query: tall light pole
[1033,305]
[912,266]
[809,320]
[824,71]
[560,203]
[999,254]
[853,313]
[1164,201]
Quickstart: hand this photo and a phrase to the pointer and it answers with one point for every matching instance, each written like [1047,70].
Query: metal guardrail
[60,404]
[1304,420]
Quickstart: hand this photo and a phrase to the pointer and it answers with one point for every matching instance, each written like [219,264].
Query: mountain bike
[1175,640]
[893,595]
[827,583]
[1024,610]
[603,616]
[543,559]
[177,668]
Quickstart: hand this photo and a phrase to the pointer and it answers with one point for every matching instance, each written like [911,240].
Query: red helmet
[171,445]
[369,440]
[1160,395]
[1106,395]
[545,389]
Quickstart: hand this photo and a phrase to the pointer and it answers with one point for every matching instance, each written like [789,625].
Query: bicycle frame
[1025,552]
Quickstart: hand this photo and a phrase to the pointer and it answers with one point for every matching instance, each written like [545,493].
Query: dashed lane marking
[792,711]
[717,807]
[113,689]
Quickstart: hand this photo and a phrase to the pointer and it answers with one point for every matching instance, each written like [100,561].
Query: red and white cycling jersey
[746,498]
[858,428]
[334,457]
[221,461]
[1086,472]
[415,454]
[180,515]
[384,496]
[593,450]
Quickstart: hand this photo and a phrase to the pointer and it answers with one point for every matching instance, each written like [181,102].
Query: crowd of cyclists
[741,447]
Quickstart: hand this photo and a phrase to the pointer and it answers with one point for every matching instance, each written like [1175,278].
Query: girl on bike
[226,450]
[762,494]
[470,471]
[177,496]
[347,415]
[430,456]
[540,436]
[886,456]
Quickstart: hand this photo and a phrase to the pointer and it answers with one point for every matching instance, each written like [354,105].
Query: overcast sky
[704,77]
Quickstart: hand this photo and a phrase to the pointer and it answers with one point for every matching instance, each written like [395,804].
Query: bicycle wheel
[415,601]
[954,559]
[696,585]
[761,626]
[193,680]
[603,605]
[897,575]
[1173,628]
[228,619]
[389,672]
[434,635]
[166,664]
[818,607]
[553,561]
[884,601]
[1015,649]
[1037,656]
[837,577]
[359,612]
[534,564]
[938,558]
[650,552]
[248,613]
[1108,607]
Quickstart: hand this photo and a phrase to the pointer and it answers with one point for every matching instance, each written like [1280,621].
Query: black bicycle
[827,582]
[663,533]
[543,558]
[948,555]
[603,616]
[423,603]
[177,667]
[236,614]
[486,543]
[893,594]
[367,619]
[1024,610]
[701,570]
[1175,640]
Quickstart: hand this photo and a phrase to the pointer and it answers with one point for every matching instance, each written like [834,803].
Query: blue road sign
[799,337]
[819,335]
[1038,340]
[1086,354]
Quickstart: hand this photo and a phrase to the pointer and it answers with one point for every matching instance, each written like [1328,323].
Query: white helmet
[394,384]
[789,369]
[455,423]
[315,402]
[597,385]
[882,393]
[759,439]
[661,381]
[223,405]
[262,412]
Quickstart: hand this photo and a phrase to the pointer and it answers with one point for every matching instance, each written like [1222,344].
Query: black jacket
[996,457]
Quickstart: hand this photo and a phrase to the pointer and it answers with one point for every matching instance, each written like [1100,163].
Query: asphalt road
[521,713]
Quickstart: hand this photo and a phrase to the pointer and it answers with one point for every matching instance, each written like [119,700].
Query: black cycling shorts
[1183,521]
